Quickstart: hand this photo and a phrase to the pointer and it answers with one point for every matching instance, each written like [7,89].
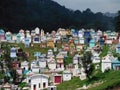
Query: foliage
[22,85]
[117,22]
[1,65]
[111,79]
[14,75]
[116,55]
[71,85]
[2,74]
[87,63]
[6,79]
[2,89]
[105,50]
[49,15]
[68,60]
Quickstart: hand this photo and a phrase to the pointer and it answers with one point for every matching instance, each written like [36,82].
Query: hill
[49,15]
[101,81]
[110,14]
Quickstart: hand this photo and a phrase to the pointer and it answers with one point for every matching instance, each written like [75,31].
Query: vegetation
[14,75]
[110,80]
[2,74]
[22,85]
[105,50]
[30,50]
[71,85]
[87,63]
[68,60]
[117,22]
[116,55]
[37,13]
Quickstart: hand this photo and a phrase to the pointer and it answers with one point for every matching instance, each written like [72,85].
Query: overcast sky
[95,5]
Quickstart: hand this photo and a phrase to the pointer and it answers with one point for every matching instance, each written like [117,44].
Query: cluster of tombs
[49,69]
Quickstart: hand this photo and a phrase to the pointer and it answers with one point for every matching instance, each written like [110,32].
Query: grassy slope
[37,48]
[71,85]
[31,50]
[111,78]
[105,50]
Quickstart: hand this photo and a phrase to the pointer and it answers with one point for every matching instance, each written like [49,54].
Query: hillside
[49,15]
[102,81]
[110,14]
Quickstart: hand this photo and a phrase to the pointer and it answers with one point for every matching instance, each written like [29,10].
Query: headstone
[82,76]
[37,30]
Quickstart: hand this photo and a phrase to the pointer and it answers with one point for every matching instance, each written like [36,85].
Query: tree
[22,85]
[117,22]
[6,79]
[87,63]
[14,75]
[40,15]
[1,64]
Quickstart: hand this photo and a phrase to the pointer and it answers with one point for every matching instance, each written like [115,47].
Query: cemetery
[60,60]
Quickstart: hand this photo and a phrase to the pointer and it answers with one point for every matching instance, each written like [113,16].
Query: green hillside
[110,80]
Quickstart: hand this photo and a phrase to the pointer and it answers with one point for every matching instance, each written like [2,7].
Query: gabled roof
[92,40]
[52,62]
[108,58]
[66,72]
[30,73]
[24,63]
[59,56]
[118,45]
[6,85]
[39,75]
[116,61]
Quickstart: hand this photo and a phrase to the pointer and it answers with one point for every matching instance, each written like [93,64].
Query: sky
[95,5]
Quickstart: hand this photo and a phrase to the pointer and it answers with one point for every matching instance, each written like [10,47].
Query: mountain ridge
[49,15]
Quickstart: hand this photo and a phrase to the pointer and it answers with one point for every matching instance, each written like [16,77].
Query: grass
[31,50]
[74,84]
[71,85]
[105,50]
[37,48]
[1,75]
[68,60]
[111,79]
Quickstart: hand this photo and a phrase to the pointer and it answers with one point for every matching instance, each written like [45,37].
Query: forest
[49,15]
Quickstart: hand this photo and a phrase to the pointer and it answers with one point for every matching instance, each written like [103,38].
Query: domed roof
[18,34]
[27,31]
[33,31]
[37,28]
[2,31]
[92,40]
[21,31]
[8,32]
[50,50]
[13,48]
